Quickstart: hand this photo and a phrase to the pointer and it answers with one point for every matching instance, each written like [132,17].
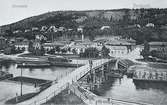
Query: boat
[115,75]
[33,64]
[5,75]
[150,76]
[62,62]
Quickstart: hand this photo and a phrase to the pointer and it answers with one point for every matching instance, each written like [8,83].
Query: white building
[44,28]
[52,29]
[27,30]
[35,28]
[105,27]
[49,46]
[17,31]
[150,25]
[23,44]
[62,29]
[118,48]
[81,46]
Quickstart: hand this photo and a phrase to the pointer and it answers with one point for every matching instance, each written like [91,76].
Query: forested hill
[120,20]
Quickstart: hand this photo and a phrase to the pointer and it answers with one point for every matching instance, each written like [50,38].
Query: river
[142,92]
[122,89]
[9,89]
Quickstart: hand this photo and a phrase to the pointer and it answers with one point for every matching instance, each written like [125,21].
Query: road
[135,54]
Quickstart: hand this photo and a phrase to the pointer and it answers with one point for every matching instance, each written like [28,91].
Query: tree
[63,50]
[23,49]
[42,51]
[7,50]
[153,53]
[30,46]
[145,52]
[9,33]
[58,49]
[90,53]
[105,51]
[74,51]
[69,49]
[51,51]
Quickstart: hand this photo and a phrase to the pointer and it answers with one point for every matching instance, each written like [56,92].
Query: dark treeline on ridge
[140,24]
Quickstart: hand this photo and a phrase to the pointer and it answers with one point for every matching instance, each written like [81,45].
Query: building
[35,29]
[80,29]
[105,27]
[40,37]
[80,46]
[158,49]
[49,46]
[22,45]
[27,30]
[157,45]
[19,39]
[62,29]
[161,53]
[52,29]
[118,48]
[43,28]
[150,25]
[17,31]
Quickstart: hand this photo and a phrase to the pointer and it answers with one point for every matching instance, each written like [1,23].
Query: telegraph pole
[21,88]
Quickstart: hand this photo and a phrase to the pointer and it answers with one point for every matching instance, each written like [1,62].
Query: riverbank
[28,80]
[38,61]
[65,98]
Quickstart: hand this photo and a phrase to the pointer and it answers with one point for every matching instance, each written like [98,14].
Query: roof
[77,46]
[21,43]
[118,48]
[54,44]
[1,37]
[157,43]
[117,42]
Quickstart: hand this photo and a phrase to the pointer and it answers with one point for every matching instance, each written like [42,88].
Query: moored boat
[62,61]
[153,76]
[33,64]
[115,75]
[5,75]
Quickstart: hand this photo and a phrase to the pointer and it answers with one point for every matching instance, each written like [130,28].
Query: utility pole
[21,89]
[21,83]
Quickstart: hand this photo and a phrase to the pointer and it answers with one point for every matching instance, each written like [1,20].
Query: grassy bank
[64,98]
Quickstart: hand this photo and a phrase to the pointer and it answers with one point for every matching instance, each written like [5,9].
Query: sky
[15,10]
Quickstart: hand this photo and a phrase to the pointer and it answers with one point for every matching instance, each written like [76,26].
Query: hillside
[121,21]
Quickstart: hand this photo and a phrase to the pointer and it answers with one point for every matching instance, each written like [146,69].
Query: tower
[81,30]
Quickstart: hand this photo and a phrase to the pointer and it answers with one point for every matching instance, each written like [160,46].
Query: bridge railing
[47,98]
[111,101]
[77,73]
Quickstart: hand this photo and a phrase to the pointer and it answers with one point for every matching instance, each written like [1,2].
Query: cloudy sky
[15,10]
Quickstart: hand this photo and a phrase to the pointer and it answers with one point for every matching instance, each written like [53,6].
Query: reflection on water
[151,85]
[8,89]
[50,73]
[126,89]
[158,65]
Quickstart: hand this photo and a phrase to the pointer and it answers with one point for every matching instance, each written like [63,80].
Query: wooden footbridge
[67,81]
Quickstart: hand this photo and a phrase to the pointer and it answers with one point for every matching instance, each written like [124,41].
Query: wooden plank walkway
[63,83]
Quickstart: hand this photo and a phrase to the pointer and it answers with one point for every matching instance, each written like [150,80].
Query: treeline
[122,22]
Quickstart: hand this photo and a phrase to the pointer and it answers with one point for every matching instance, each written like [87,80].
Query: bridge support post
[116,65]
[102,76]
[68,89]
[108,70]
[92,75]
